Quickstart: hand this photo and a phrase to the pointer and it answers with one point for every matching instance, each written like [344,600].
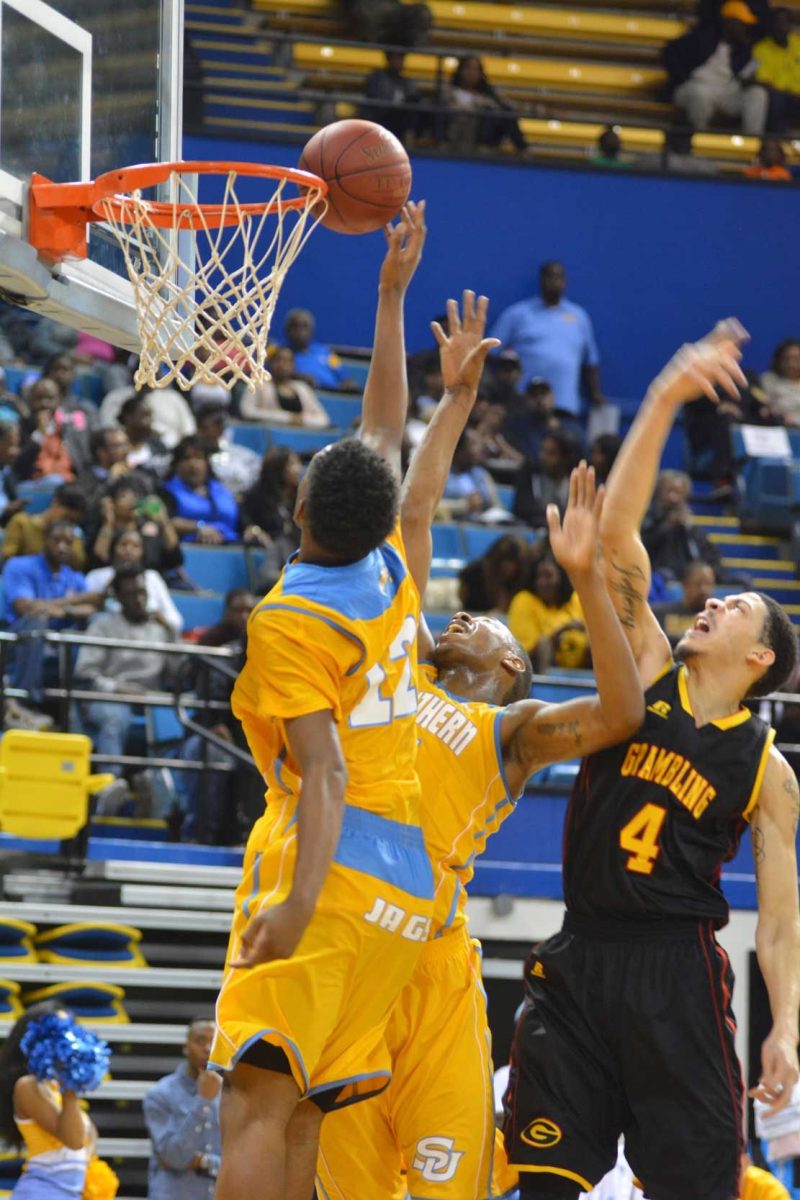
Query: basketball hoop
[205,277]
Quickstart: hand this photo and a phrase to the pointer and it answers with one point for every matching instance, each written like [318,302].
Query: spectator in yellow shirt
[547,619]
[778,68]
[761,1185]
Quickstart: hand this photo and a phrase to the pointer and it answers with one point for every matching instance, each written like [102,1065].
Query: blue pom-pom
[56,1047]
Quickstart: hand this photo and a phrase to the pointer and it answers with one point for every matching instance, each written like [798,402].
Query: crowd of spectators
[123,480]
[738,66]
[133,477]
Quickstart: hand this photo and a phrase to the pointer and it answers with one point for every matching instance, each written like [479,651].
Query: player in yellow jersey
[336,896]
[431,1135]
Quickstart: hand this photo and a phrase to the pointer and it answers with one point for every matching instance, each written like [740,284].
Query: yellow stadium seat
[88,1001]
[16,941]
[10,1005]
[637,138]
[93,944]
[508,72]
[45,784]
[531,20]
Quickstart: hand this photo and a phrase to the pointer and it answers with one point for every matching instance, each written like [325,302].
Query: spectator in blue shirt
[555,340]
[314,361]
[470,489]
[202,508]
[42,592]
[182,1116]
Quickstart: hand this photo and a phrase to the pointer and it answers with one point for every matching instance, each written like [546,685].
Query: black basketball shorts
[634,1038]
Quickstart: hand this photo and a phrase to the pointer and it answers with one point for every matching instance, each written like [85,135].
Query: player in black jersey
[627,1027]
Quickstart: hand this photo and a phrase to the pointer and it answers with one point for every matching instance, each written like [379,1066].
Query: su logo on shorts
[542,1134]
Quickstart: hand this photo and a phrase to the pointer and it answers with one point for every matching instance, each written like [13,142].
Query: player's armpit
[774,828]
[534,734]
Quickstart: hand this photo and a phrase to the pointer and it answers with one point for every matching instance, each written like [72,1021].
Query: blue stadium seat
[305,441]
[198,610]
[342,410]
[216,568]
[254,437]
[37,496]
[478,538]
[447,541]
[15,377]
[357,369]
[505,494]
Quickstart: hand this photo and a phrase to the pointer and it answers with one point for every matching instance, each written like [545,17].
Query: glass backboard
[85,86]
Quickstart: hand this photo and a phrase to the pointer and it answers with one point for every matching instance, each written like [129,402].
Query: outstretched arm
[693,372]
[774,832]
[535,734]
[462,356]
[385,406]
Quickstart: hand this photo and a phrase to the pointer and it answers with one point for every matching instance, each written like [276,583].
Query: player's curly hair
[352,500]
[779,634]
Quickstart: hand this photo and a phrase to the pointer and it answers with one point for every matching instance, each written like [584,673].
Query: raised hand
[463,351]
[405,241]
[699,368]
[574,540]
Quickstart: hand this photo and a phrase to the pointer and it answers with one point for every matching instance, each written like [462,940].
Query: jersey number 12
[377,709]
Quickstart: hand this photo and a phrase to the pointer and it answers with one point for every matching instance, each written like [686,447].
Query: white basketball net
[208,321]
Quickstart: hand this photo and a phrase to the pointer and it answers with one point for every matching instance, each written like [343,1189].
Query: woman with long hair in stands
[47,1120]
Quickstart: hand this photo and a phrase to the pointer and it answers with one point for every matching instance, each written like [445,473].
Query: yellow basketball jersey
[465,796]
[344,639]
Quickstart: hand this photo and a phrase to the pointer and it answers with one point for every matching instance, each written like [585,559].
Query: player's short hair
[779,634]
[352,500]
[521,687]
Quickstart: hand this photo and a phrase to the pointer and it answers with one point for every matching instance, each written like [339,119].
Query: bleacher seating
[570,70]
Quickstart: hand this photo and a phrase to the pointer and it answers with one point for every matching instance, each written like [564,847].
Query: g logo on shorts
[541,1134]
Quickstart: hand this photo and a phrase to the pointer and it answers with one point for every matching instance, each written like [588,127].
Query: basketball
[367,172]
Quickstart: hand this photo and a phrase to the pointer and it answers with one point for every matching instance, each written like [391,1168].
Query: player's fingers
[573,488]
[553,521]
[453,319]
[590,490]
[599,501]
[482,310]
[729,329]
[468,307]
[580,496]
[438,333]
[704,385]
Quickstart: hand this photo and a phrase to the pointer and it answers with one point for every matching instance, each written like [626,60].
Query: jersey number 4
[640,838]
[378,709]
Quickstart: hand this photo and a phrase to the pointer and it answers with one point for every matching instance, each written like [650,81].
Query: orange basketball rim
[202,316]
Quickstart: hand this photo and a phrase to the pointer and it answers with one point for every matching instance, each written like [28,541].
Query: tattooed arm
[693,372]
[535,734]
[774,832]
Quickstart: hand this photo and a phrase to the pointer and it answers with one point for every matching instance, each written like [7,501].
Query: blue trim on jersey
[257,1038]
[498,748]
[354,590]
[340,1083]
[386,850]
[453,908]
[306,612]
[277,767]
[254,888]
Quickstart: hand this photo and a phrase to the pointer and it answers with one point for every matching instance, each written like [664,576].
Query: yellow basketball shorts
[327,1006]
[431,1134]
